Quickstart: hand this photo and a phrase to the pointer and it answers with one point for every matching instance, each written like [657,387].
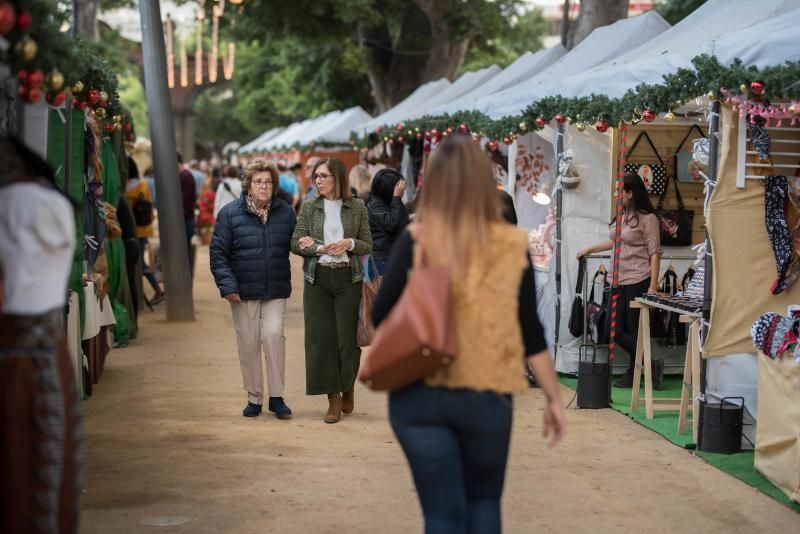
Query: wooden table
[691,369]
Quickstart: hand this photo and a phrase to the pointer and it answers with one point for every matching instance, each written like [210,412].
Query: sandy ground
[166,444]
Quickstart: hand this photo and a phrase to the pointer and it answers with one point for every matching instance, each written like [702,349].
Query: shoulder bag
[653,174]
[418,337]
[366,331]
[596,313]
[576,316]
[676,225]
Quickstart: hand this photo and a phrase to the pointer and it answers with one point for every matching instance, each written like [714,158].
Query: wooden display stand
[691,370]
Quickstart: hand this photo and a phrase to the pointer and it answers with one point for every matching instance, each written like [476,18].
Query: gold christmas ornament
[117,126]
[669,116]
[54,80]
[581,126]
[117,118]
[743,88]
[103,97]
[100,112]
[712,95]
[523,126]
[26,49]
[78,87]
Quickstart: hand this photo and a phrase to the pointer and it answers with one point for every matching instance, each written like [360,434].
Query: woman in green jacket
[331,233]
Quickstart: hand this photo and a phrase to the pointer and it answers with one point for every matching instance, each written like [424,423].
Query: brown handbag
[418,336]
[366,330]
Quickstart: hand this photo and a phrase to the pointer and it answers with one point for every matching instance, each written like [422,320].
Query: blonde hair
[361,180]
[257,166]
[339,172]
[458,203]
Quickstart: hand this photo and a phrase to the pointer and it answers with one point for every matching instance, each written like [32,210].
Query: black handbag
[654,175]
[596,313]
[676,225]
[576,316]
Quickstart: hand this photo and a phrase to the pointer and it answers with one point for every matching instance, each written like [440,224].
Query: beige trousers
[259,326]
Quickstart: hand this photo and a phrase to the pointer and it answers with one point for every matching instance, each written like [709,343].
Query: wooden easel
[691,370]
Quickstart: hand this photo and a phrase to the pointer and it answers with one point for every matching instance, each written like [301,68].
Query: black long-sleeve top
[400,262]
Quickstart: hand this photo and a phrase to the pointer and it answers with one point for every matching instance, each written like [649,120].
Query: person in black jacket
[387,216]
[250,264]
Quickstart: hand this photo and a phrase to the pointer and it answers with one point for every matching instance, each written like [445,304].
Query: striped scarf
[262,214]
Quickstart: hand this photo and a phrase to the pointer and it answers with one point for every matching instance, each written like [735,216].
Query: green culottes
[331,320]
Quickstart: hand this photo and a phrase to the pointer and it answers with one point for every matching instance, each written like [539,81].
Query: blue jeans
[375,268]
[456,442]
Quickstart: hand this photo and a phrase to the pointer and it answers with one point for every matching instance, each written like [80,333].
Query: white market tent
[339,130]
[292,133]
[307,134]
[397,113]
[263,138]
[702,32]
[760,33]
[601,45]
[526,66]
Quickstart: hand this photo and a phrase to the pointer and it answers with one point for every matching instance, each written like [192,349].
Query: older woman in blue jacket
[250,264]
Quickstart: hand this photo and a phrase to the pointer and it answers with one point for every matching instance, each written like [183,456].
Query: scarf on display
[777,336]
[261,213]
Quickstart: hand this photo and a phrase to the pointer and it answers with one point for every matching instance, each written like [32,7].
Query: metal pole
[559,210]
[172,233]
[713,161]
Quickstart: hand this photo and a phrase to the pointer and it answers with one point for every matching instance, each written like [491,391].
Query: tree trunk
[86,19]
[593,14]
[421,53]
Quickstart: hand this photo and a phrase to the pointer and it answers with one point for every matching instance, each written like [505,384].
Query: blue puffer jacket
[251,258]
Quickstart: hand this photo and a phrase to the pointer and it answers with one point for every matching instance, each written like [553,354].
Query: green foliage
[216,121]
[524,34]
[675,11]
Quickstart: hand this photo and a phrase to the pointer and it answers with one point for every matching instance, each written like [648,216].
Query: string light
[198,53]
[229,61]
[184,63]
[213,56]
[170,55]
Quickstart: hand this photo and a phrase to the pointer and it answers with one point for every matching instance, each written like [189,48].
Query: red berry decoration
[400,139]
[401,127]
[493,146]
[93,97]
[757,87]
[427,136]
[7,17]
[34,94]
[602,126]
[24,20]
[109,127]
[35,79]
[463,128]
[507,140]
[560,119]
[57,99]
[540,122]
[22,92]
[435,132]
[649,115]
[22,77]
[420,136]
[127,127]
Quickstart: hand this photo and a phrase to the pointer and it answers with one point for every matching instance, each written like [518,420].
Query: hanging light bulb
[184,64]
[198,52]
[170,55]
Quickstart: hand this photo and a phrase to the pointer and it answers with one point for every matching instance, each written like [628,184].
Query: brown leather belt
[340,265]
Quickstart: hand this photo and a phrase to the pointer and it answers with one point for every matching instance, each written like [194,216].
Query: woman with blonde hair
[360,182]
[250,263]
[331,235]
[454,426]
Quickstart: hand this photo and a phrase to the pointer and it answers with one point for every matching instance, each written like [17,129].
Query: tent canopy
[601,45]
[255,143]
[339,130]
[466,83]
[702,32]
[526,66]
[396,114]
[309,133]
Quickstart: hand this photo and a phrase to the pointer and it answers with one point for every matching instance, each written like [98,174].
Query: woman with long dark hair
[639,262]
[387,216]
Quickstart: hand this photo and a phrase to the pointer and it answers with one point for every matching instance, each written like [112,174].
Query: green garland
[707,76]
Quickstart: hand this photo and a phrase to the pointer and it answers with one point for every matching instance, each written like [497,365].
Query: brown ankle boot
[349,400]
[334,408]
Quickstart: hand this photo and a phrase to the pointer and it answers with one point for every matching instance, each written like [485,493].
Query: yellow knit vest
[486,302]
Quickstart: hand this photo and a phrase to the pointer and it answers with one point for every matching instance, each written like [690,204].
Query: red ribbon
[623,149]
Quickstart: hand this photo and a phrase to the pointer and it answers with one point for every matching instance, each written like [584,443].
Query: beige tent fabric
[777,440]
[744,264]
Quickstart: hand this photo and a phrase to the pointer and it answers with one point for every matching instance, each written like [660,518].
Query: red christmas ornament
[450,130]
[493,146]
[463,128]
[540,122]
[7,17]
[93,97]
[34,94]
[57,99]
[560,119]
[649,115]
[22,77]
[35,79]
[420,136]
[401,127]
[391,142]
[24,21]
[78,104]
[427,136]
[435,133]
[22,92]
[602,126]
[757,87]
[130,138]
[507,140]
[127,127]
[400,139]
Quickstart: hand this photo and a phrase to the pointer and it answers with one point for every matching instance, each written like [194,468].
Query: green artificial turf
[740,465]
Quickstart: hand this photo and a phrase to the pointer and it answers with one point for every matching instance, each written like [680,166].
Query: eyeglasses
[321,176]
[263,183]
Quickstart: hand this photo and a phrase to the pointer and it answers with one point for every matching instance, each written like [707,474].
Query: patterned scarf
[262,214]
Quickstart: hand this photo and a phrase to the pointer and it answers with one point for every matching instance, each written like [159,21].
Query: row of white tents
[611,61]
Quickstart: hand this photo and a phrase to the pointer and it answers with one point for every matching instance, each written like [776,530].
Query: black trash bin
[594,377]
[721,425]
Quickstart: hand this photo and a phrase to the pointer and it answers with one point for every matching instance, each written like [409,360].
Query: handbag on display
[366,330]
[576,316]
[596,313]
[418,337]
[654,175]
[688,168]
[676,225]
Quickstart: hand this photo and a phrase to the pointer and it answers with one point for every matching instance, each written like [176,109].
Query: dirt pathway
[166,443]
